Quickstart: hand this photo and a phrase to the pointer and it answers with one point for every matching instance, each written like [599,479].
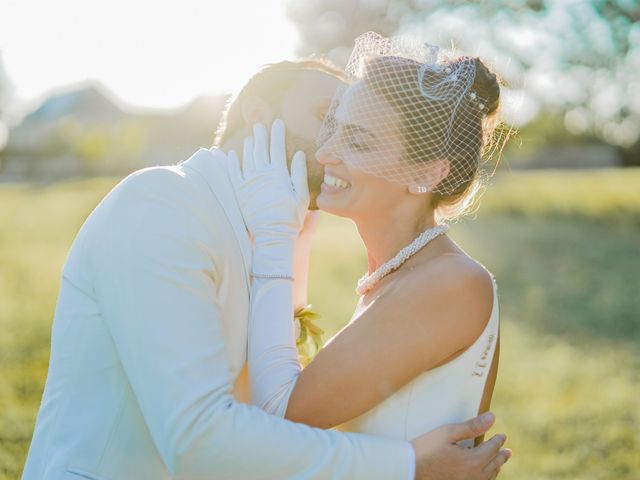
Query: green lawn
[565,250]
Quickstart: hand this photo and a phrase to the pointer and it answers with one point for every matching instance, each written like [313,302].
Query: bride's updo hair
[467,123]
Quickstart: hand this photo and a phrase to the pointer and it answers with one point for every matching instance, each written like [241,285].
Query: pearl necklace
[368,281]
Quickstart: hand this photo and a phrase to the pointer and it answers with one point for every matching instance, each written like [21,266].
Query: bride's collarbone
[414,279]
[382,296]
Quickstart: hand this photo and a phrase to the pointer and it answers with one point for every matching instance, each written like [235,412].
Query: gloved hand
[273,202]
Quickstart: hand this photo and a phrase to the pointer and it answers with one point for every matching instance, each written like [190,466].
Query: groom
[150,328]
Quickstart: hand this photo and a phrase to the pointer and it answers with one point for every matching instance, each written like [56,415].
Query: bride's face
[367,133]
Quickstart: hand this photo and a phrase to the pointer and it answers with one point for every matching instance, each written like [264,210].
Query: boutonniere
[308,334]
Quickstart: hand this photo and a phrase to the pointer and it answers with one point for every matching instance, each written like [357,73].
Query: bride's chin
[327,205]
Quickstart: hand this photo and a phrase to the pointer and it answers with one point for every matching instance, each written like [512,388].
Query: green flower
[309,341]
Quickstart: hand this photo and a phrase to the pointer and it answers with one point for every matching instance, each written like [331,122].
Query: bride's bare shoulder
[452,287]
[450,271]
[457,268]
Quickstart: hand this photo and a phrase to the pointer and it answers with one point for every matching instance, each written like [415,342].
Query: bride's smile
[334,184]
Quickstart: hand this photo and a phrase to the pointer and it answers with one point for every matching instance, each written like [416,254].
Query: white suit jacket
[149,335]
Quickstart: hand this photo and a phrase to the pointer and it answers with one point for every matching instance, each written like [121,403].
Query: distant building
[83,133]
[37,148]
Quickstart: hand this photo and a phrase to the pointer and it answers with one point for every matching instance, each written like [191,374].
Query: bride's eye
[357,145]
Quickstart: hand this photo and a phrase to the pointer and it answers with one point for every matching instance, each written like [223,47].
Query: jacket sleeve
[156,281]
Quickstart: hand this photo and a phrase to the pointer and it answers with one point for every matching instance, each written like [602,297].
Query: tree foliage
[5,87]
[579,59]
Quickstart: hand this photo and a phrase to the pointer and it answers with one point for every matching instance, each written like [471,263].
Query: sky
[164,53]
[157,54]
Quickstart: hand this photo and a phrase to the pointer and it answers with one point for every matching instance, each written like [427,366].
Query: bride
[401,147]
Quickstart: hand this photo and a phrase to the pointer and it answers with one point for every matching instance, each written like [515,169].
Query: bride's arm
[420,322]
[407,330]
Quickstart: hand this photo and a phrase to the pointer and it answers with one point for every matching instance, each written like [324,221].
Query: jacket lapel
[209,163]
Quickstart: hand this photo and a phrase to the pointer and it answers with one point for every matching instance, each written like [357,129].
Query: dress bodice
[449,393]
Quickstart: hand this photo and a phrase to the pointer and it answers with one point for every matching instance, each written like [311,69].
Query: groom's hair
[270,84]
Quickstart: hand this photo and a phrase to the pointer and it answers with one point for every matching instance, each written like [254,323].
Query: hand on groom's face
[315,171]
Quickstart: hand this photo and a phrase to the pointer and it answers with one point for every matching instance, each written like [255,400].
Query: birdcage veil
[408,114]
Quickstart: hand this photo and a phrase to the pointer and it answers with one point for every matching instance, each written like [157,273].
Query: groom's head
[298,92]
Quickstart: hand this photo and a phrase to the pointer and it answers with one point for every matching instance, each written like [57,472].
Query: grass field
[565,250]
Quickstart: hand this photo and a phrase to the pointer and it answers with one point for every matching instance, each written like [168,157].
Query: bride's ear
[256,110]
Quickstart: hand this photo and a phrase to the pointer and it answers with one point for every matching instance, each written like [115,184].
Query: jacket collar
[210,164]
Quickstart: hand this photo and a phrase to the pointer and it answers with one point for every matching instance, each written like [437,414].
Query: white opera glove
[272,201]
[273,204]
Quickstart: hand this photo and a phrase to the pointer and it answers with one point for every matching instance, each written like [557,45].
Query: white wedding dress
[449,393]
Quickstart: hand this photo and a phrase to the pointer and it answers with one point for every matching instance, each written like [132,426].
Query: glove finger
[277,149]
[248,166]
[233,168]
[299,177]
[260,146]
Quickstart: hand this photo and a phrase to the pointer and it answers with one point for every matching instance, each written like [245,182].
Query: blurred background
[90,92]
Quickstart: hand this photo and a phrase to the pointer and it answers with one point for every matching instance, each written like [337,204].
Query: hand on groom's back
[439,458]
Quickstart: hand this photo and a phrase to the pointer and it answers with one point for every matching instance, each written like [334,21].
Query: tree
[5,88]
[579,59]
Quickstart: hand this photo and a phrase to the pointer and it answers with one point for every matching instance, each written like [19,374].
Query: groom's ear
[255,109]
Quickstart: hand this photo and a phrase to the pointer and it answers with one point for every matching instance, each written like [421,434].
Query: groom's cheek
[315,177]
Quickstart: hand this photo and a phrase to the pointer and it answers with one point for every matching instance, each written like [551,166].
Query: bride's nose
[326,154]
